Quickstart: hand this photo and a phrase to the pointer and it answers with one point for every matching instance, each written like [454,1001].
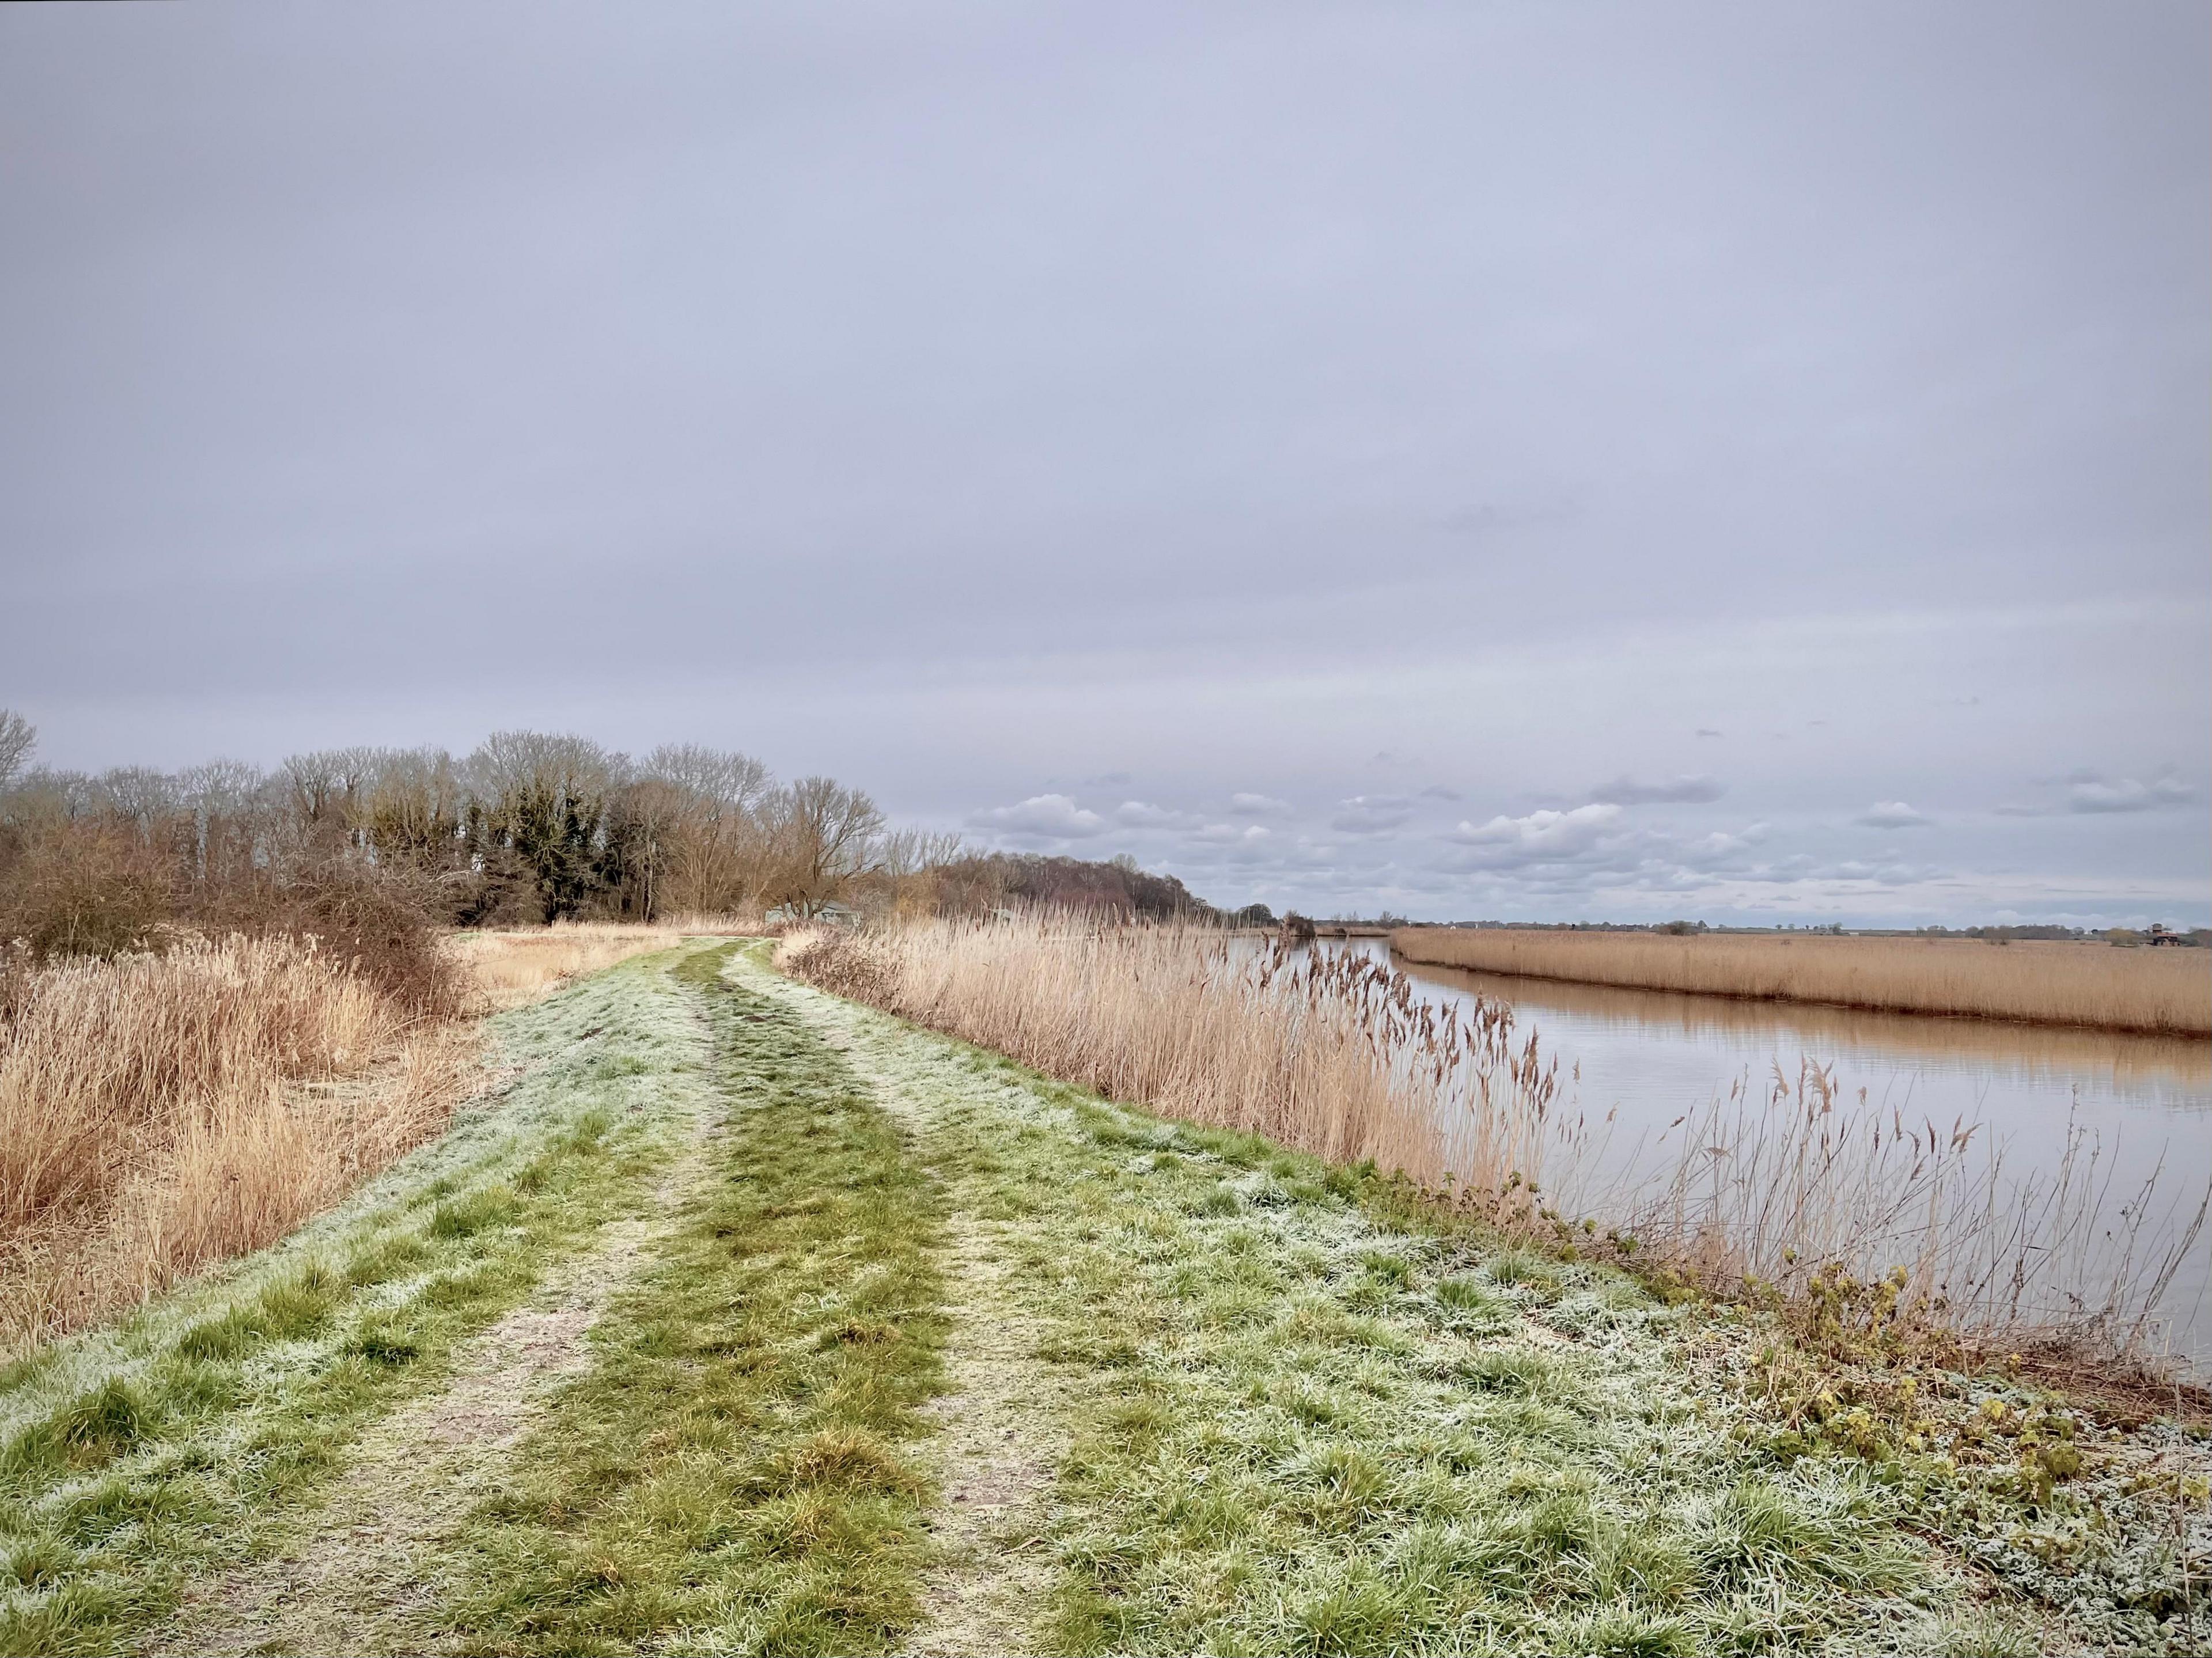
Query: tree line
[529,828]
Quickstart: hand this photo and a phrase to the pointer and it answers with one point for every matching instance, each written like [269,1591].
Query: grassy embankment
[2155,992]
[1269,1403]
[1329,1412]
[1899,1234]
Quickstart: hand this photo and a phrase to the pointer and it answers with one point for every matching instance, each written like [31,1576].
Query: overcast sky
[1540,461]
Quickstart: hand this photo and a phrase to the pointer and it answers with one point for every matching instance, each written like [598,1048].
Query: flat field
[2159,991]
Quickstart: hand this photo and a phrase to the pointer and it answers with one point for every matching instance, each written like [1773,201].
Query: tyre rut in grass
[742,1467]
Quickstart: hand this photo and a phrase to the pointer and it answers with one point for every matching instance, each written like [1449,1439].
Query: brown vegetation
[161,1112]
[1115,887]
[511,968]
[531,827]
[1325,1053]
[2167,991]
[1870,1232]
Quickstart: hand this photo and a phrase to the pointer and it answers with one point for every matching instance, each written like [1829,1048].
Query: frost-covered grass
[1314,1413]
[197,1433]
[737,1472]
[1287,1407]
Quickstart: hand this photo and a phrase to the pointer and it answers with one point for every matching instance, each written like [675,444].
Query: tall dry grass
[158,1113]
[2164,992]
[1857,1221]
[1328,1053]
[1880,1228]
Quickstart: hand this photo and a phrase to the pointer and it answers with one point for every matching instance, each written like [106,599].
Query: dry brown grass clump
[158,1113]
[2165,992]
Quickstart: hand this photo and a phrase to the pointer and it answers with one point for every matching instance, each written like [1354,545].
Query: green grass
[1288,1407]
[1306,1421]
[739,1471]
[199,1435]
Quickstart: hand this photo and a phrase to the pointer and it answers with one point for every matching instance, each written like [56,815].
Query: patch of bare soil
[992,1565]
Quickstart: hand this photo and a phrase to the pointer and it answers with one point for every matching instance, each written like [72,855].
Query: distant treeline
[529,828]
[1116,887]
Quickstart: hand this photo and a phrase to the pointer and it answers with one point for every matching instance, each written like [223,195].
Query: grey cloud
[993,404]
[2092,793]
[1702,788]
[1438,791]
[1371,814]
[1142,814]
[1258,805]
[1540,837]
[1892,815]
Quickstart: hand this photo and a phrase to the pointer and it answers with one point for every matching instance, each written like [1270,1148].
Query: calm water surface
[1646,1057]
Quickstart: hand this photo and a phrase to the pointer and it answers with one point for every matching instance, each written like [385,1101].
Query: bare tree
[909,862]
[18,737]
[710,850]
[411,807]
[826,837]
[734,781]
[324,782]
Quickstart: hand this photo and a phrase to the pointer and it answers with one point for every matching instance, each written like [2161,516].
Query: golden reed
[2155,991]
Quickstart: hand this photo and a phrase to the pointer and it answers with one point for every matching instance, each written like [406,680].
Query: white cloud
[1258,805]
[1892,815]
[1233,843]
[1627,791]
[1541,837]
[1371,814]
[1050,816]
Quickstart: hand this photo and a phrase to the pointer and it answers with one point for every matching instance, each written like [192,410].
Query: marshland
[443,1213]
[2146,990]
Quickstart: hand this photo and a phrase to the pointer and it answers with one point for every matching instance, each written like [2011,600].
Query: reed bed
[1328,1053]
[1864,1228]
[2157,991]
[159,1113]
[1875,1229]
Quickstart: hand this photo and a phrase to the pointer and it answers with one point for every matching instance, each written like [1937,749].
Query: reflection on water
[1642,1058]
[2168,1072]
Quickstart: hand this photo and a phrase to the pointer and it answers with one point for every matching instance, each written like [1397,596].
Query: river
[1645,1057]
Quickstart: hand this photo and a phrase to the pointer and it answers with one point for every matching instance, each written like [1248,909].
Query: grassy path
[147,1469]
[744,1319]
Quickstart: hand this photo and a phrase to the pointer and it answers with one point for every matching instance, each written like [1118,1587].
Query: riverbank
[2152,992]
[738,1316]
